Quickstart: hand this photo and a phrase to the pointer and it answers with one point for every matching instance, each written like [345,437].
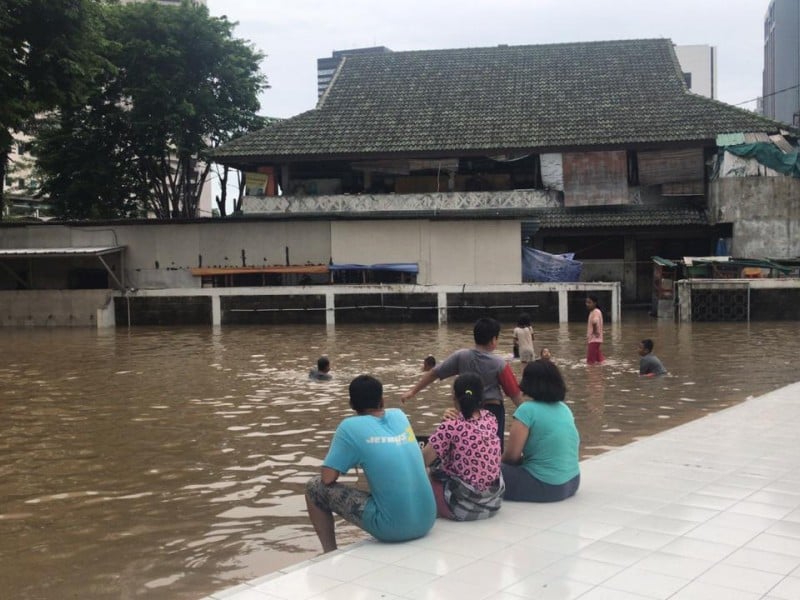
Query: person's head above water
[323,364]
[428,363]
[645,347]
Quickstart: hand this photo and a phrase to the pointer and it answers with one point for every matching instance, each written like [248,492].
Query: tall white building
[699,66]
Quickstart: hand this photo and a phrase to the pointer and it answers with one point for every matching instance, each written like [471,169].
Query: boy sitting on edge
[400,504]
[649,364]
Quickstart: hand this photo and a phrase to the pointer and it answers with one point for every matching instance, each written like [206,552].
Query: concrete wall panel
[765,212]
[372,242]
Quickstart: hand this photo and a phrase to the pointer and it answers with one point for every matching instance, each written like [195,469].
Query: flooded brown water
[170,463]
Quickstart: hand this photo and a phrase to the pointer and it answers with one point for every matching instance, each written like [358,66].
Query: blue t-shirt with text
[401,506]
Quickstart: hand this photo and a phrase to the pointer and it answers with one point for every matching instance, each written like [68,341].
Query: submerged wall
[57,308]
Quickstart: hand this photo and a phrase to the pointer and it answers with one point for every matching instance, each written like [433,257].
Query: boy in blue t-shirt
[400,504]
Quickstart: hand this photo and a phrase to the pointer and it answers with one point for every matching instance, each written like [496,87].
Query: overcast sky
[294,33]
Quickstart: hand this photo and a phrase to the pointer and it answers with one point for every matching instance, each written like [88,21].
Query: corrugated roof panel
[88,251]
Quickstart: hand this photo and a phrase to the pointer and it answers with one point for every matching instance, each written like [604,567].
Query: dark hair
[485,331]
[542,381]
[524,320]
[430,361]
[468,390]
[647,344]
[365,392]
[323,364]
[593,298]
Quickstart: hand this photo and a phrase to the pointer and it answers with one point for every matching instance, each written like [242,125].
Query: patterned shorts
[347,502]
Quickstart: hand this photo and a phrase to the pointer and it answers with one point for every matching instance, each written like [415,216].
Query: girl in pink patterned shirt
[464,455]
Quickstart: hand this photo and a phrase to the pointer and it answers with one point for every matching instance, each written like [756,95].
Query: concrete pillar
[441,303]
[629,269]
[285,179]
[106,315]
[216,311]
[563,306]
[616,310]
[684,301]
[330,308]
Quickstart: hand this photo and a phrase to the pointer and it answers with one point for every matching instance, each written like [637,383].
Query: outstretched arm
[509,385]
[427,378]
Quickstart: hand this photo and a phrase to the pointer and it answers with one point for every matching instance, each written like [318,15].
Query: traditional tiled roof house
[595,148]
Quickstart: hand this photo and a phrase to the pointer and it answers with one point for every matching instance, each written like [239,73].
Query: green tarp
[770,156]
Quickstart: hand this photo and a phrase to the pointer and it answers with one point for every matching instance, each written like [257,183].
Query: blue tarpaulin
[397,267]
[538,265]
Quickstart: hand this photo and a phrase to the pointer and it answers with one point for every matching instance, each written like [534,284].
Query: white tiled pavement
[709,510]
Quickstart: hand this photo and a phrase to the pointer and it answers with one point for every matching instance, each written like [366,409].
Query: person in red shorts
[594,332]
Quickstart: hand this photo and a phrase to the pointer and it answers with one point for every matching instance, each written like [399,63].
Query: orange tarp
[300,269]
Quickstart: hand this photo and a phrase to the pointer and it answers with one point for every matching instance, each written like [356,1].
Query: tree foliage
[178,83]
[48,52]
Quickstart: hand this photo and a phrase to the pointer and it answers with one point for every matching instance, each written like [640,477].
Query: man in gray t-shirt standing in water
[649,363]
[494,371]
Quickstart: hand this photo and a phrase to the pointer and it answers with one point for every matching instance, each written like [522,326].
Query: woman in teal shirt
[540,461]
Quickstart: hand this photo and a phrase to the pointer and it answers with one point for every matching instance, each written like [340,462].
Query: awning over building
[282,269]
[58,252]
[397,267]
[13,254]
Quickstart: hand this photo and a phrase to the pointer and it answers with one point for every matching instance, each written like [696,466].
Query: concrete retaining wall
[765,212]
[57,308]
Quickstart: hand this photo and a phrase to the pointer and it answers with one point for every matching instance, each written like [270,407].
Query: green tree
[180,83]
[88,174]
[47,52]
[224,173]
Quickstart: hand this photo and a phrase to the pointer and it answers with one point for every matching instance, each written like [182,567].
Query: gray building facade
[781,88]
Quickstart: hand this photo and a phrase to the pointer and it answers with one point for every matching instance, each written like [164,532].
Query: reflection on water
[169,463]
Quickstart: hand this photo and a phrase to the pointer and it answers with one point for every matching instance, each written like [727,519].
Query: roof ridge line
[321,101]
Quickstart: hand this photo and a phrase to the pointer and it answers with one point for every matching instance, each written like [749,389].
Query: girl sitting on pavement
[540,462]
[464,456]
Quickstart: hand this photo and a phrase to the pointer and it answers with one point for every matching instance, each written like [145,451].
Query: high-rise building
[699,66]
[781,89]
[326,67]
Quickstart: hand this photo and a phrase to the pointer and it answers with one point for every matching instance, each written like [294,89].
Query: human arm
[428,454]
[594,321]
[509,385]
[450,413]
[329,475]
[427,378]
[512,455]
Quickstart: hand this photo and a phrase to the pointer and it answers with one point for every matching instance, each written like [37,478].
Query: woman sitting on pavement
[464,455]
[540,462]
